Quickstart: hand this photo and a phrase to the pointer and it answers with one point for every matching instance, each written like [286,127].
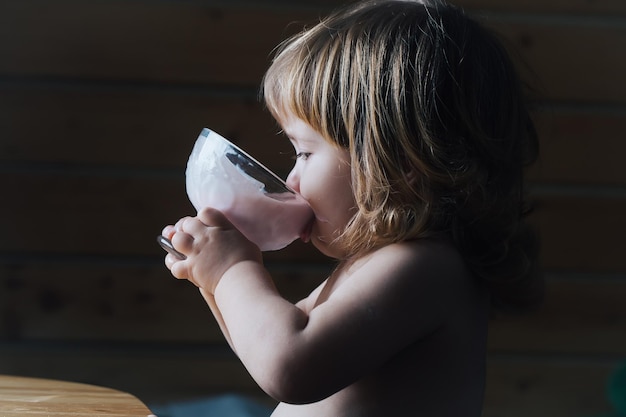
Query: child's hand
[212,245]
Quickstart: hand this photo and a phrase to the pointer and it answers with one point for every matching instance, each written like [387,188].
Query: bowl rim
[271,173]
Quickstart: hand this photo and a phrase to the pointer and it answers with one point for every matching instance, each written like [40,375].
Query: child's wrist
[239,272]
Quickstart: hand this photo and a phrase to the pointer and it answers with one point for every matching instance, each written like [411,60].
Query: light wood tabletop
[21,396]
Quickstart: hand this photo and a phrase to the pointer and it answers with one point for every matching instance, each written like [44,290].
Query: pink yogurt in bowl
[221,175]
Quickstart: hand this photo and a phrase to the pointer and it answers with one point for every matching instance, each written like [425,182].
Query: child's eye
[303,155]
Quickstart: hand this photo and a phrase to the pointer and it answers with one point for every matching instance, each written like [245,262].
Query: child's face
[321,175]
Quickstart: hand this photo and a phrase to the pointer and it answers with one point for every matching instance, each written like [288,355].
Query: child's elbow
[292,393]
[294,383]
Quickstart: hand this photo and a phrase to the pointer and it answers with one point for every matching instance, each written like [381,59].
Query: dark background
[100,103]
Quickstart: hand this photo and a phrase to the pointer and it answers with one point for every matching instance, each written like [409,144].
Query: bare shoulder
[422,253]
[420,261]
[424,280]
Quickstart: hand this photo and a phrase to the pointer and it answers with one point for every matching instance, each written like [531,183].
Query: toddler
[411,134]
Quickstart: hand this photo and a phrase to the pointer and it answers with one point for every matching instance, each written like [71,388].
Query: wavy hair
[433,113]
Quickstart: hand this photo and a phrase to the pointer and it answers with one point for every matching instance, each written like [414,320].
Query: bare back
[433,315]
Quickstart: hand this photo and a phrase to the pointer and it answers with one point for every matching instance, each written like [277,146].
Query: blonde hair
[431,109]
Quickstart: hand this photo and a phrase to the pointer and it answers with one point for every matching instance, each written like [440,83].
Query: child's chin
[305,235]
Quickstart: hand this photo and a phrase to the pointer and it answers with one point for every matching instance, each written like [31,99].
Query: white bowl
[260,204]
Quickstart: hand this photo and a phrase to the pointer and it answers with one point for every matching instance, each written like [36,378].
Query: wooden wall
[100,103]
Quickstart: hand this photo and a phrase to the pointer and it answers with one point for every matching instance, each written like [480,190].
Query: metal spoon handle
[167,245]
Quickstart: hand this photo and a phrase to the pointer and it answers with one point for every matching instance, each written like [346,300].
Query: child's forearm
[262,325]
[210,300]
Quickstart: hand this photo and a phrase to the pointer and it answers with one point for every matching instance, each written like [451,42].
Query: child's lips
[305,235]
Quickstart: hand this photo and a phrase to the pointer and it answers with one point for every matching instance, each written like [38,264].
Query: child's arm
[203,246]
[402,294]
[377,308]
[210,300]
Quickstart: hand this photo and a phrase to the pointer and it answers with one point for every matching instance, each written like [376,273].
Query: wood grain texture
[148,131]
[31,397]
[132,129]
[582,233]
[124,302]
[568,7]
[547,387]
[517,386]
[580,316]
[194,43]
[155,373]
[130,303]
[581,145]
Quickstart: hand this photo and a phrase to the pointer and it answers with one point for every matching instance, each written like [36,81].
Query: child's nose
[293,180]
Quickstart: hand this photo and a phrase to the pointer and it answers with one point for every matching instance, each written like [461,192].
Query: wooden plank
[195,43]
[527,6]
[102,303]
[81,213]
[124,302]
[522,387]
[156,129]
[139,129]
[582,233]
[105,302]
[516,387]
[162,41]
[578,316]
[579,7]
[21,397]
[580,145]
[153,373]
[549,54]
[89,214]
[54,213]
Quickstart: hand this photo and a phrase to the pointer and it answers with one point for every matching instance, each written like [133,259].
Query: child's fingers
[193,226]
[169,248]
[170,260]
[179,269]
[180,222]
[214,218]
[168,231]
[182,242]
[176,267]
